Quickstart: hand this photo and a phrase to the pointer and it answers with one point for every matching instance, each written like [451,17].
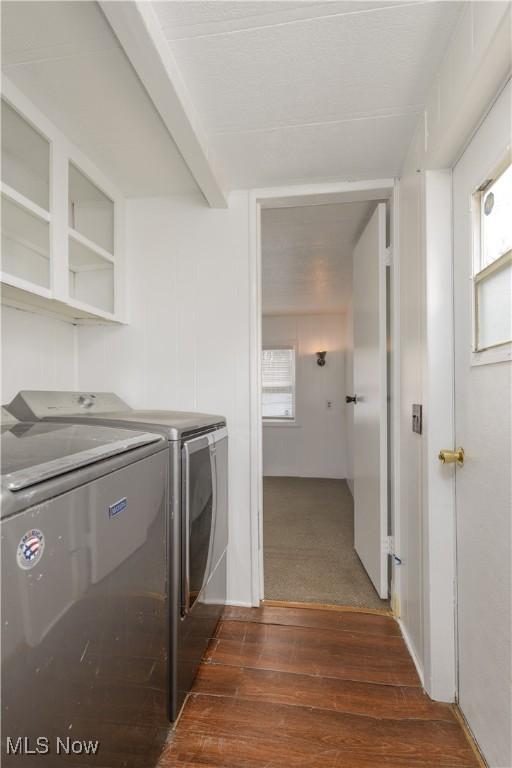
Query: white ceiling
[306,256]
[286,92]
[66,59]
[295,91]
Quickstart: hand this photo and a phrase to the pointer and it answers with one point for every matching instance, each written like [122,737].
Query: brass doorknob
[450,457]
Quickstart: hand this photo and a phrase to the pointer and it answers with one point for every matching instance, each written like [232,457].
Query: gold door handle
[450,457]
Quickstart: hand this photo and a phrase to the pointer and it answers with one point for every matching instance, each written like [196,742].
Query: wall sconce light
[321,358]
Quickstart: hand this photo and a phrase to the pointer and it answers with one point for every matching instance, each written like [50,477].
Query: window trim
[502,351]
[282,421]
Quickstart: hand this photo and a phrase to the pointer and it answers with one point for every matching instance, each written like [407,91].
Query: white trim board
[323,193]
[439,566]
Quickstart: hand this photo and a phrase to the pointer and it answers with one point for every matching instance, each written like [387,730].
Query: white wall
[187,344]
[476,64]
[38,352]
[315,445]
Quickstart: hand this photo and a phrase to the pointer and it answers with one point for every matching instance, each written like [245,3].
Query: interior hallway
[308,538]
[312,689]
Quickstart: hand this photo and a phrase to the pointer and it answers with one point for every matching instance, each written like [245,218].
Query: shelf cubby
[25,244]
[25,158]
[90,211]
[91,276]
[61,221]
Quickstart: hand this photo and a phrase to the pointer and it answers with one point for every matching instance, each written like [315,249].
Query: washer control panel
[32,405]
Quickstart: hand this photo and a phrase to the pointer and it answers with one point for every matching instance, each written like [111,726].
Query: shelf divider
[24,202]
[91,245]
[25,285]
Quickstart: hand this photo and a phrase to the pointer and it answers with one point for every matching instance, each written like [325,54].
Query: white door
[370,408]
[482,236]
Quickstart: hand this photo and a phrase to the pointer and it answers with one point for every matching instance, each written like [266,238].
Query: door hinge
[388,256]
[388,546]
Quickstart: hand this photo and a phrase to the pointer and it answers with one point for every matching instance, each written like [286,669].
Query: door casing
[303,195]
[371,407]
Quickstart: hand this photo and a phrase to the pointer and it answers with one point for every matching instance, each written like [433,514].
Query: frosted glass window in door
[496,218]
[493,262]
[494,307]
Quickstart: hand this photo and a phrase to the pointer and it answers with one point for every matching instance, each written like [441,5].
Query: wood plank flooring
[301,688]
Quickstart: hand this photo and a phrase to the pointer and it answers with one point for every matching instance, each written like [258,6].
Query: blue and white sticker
[117,507]
[30,549]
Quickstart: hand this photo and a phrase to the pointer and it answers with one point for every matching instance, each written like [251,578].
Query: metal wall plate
[417,418]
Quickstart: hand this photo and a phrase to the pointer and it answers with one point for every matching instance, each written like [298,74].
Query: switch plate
[417,418]
[329,404]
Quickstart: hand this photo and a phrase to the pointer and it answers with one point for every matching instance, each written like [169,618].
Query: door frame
[438,484]
[304,195]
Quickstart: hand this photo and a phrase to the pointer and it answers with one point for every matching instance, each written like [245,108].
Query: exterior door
[482,208]
[370,406]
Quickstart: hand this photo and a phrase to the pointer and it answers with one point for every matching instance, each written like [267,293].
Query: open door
[370,405]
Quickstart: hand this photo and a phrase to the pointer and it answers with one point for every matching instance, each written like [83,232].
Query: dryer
[197,513]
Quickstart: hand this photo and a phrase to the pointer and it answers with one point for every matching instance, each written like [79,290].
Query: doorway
[309,433]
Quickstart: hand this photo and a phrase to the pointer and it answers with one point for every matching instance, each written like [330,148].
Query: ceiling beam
[319,193]
[138,30]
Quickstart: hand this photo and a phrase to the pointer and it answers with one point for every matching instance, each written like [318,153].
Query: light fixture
[321,358]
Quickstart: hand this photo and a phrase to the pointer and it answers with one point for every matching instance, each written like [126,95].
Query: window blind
[278,383]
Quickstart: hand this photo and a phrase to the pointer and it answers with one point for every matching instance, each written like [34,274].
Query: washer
[84,594]
[198,512]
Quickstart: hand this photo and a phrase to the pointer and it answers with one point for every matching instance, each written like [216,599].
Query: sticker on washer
[30,549]
[117,507]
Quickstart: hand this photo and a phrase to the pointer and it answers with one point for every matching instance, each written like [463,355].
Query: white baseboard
[412,651]
[240,604]
[315,476]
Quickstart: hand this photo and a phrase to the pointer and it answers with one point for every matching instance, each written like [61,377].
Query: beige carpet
[308,527]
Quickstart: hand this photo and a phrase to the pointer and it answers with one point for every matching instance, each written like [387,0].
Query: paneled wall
[315,445]
[187,344]
[38,352]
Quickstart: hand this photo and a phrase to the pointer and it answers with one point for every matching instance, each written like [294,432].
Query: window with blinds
[278,383]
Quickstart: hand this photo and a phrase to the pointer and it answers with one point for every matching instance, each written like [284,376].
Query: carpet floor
[309,556]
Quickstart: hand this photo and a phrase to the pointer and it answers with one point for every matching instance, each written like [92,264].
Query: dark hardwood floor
[302,688]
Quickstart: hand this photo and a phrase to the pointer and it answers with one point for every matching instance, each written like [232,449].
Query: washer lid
[33,453]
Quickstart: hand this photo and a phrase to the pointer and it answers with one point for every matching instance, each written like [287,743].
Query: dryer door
[198,517]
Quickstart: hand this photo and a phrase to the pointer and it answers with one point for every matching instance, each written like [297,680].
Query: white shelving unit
[25,158]
[61,221]
[25,241]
